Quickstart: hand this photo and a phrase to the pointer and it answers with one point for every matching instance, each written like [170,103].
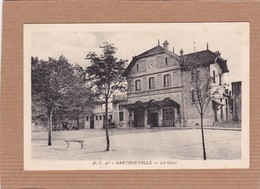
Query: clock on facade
[150,64]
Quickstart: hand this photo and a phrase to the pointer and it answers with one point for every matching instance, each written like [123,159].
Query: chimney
[165,45]
[217,53]
[173,49]
[181,52]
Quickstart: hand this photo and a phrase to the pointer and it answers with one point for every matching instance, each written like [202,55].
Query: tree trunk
[106,126]
[49,127]
[202,136]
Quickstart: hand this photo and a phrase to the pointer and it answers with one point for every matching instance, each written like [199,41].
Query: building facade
[96,118]
[117,115]
[156,95]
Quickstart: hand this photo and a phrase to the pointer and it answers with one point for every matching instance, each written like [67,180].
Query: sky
[75,41]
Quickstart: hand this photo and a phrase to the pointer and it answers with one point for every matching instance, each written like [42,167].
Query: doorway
[138,118]
[153,119]
[91,122]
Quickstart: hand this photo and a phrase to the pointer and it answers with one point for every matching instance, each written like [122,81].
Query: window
[214,77]
[86,118]
[96,117]
[110,117]
[104,117]
[100,117]
[167,80]
[166,60]
[138,85]
[193,95]
[219,75]
[151,83]
[121,116]
[137,67]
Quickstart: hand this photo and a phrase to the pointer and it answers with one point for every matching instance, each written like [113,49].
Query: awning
[152,104]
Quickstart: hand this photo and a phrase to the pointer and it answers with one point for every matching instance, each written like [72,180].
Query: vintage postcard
[136,96]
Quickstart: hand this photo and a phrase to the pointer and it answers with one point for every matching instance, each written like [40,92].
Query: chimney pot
[166,45]
[181,52]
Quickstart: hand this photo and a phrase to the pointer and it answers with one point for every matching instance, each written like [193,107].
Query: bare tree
[200,92]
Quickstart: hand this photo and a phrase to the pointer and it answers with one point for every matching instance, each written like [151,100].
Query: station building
[156,93]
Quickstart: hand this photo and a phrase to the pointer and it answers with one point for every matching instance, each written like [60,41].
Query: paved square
[136,144]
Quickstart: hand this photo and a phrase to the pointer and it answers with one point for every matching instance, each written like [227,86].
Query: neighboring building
[237,99]
[96,118]
[121,115]
[156,81]
[116,113]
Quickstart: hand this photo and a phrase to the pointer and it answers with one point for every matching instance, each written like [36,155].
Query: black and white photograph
[122,96]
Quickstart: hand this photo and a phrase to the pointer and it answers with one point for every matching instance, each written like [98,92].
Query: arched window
[167,80]
[138,85]
[151,83]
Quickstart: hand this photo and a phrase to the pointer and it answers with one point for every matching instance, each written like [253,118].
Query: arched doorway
[139,115]
[170,110]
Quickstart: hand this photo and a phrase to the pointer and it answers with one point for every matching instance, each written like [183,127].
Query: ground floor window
[121,116]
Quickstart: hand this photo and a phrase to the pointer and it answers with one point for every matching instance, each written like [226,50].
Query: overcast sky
[74,41]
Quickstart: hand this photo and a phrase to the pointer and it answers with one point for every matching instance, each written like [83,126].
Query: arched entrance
[162,113]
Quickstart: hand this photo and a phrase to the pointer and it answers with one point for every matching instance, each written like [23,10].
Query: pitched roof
[155,50]
[206,57]
[203,58]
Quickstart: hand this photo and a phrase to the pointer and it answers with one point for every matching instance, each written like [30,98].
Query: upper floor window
[137,67]
[220,82]
[166,60]
[214,77]
[151,83]
[138,85]
[167,80]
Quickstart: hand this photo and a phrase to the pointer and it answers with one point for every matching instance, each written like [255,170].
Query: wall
[191,113]
[154,66]
[116,110]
